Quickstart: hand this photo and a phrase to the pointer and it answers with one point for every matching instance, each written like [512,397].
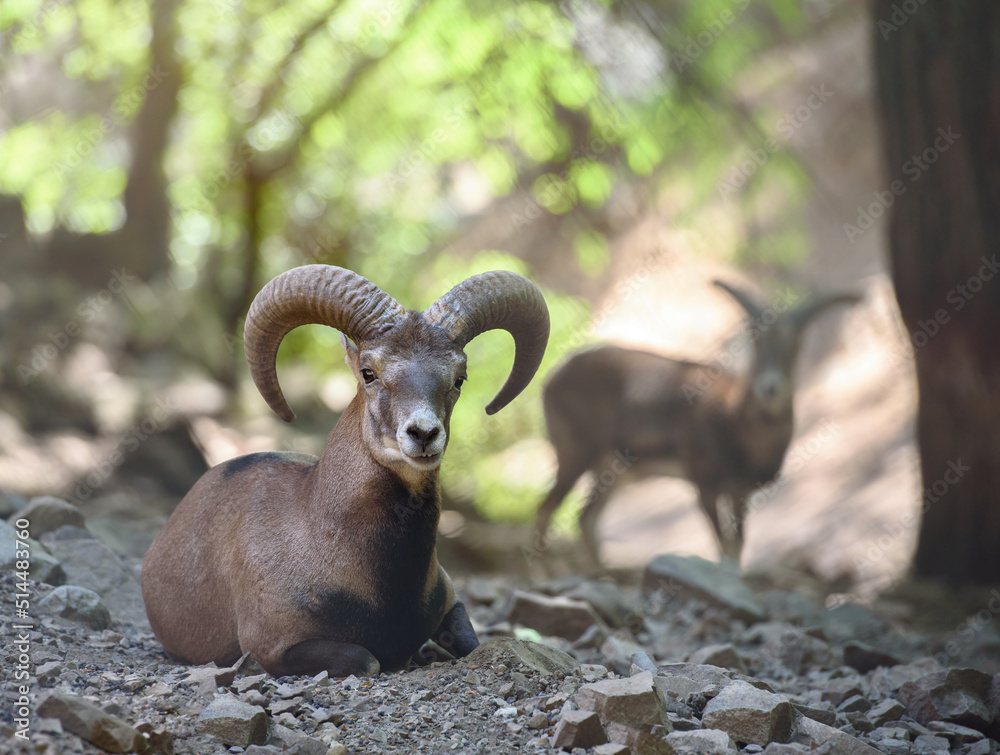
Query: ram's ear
[351,355]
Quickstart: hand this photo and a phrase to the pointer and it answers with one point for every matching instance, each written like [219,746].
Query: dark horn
[745,300]
[499,299]
[813,307]
[321,294]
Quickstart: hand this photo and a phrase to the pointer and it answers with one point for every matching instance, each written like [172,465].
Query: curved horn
[742,298]
[321,294]
[499,299]
[810,309]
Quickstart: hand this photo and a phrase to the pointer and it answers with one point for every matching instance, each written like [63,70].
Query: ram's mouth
[424,460]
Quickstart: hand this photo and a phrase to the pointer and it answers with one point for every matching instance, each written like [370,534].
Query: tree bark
[938,89]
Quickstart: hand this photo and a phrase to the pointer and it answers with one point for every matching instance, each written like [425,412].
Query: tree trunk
[938,79]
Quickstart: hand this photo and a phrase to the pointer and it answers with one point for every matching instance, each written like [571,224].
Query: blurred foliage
[365,134]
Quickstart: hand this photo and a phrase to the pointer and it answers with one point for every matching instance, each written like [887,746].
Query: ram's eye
[458,383]
[368,375]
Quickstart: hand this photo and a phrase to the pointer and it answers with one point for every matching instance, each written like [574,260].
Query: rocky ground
[688,657]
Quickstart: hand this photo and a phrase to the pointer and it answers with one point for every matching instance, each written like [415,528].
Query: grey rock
[42,566]
[47,513]
[694,577]
[636,701]
[701,742]
[885,711]
[518,654]
[823,715]
[749,714]
[724,656]
[855,704]
[958,695]
[851,622]
[592,672]
[790,748]
[955,732]
[814,734]
[289,740]
[538,720]
[578,728]
[866,658]
[928,744]
[835,691]
[643,662]
[11,502]
[91,564]
[888,680]
[554,617]
[638,741]
[606,598]
[611,748]
[77,604]
[233,722]
[791,607]
[88,721]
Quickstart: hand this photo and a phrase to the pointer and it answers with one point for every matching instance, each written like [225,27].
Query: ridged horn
[320,294]
[744,299]
[810,309]
[499,299]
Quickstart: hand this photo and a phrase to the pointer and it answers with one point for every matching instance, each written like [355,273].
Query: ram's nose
[423,434]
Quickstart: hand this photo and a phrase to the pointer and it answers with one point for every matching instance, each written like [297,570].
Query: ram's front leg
[336,658]
[455,633]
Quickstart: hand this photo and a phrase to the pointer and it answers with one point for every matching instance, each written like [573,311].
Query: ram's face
[771,381]
[410,378]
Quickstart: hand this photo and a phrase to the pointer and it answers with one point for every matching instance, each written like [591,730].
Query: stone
[554,617]
[823,715]
[77,604]
[957,695]
[521,654]
[233,722]
[852,622]
[46,514]
[885,711]
[889,680]
[42,566]
[91,564]
[855,704]
[9,503]
[88,721]
[289,740]
[928,744]
[592,672]
[835,691]
[606,598]
[158,740]
[791,748]
[635,701]
[701,742]
[955,732]
[618,651]
[866,658]
[611,748]
[538,720]
[578,728]
[814,734]
[638,741]
[749,715]
[724,656]
[694,577]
